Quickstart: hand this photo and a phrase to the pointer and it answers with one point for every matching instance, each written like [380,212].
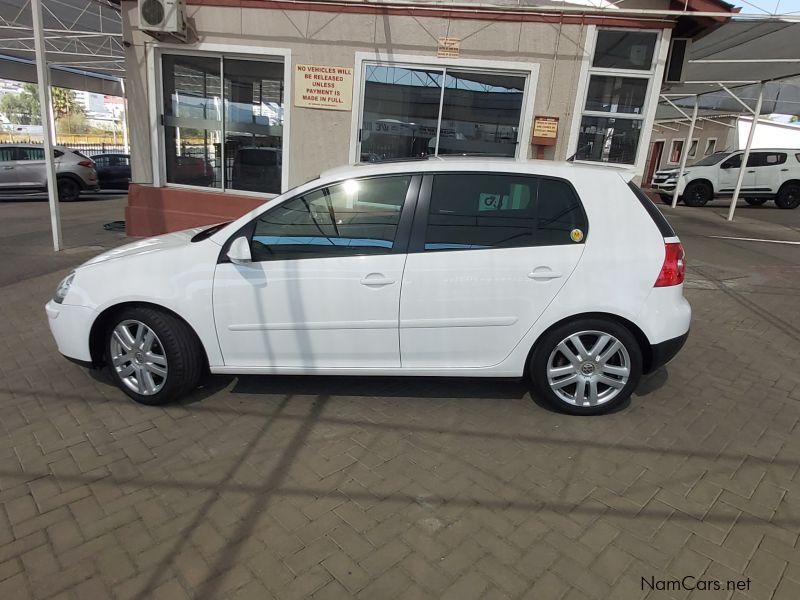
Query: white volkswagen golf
[564,273]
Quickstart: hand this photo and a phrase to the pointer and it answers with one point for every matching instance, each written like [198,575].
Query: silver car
[22,170]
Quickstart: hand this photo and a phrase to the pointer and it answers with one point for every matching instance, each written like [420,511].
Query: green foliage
[23,108]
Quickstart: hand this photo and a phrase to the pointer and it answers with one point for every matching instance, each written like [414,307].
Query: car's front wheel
[68,189]
[586,367]
[154,357]
[697,193]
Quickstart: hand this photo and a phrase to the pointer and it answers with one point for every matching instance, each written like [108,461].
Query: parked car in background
[508,269]
[771,174]
[23,170]
[113,170]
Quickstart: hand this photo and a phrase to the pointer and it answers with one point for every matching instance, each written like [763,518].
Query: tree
[23,108]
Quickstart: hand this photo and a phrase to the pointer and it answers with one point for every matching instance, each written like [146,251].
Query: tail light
[86,163]
[674,268]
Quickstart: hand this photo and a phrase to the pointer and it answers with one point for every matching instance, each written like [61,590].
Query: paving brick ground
[379,488]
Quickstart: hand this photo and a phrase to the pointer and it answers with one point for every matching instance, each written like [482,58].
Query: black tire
[789,195]
[755,201]
[69,190]
[185,360]
[547,346]
[697,193]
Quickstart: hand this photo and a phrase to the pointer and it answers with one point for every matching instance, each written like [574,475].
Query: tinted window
[661,222]
[500,211]
[7,154]
[31,154]
[766,159]
[358,216]
[734,162]
[123,161]
[617,49]
[101,161]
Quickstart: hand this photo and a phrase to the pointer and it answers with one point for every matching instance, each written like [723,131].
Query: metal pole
[686,147]
[46,111]
[746,154]
[125,117]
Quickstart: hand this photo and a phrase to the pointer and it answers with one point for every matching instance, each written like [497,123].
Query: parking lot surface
[378,488]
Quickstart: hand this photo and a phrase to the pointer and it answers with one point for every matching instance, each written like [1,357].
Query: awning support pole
[46,112]
[746,154]
[687,145]
[125,117]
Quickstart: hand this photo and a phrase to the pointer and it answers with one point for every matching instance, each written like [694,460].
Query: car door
[102,164]
[729,172]
[31,167]
[8,167]
[488,253]
[323,289]
[771,172]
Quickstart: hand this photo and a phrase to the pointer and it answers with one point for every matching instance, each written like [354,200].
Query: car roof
[551,168]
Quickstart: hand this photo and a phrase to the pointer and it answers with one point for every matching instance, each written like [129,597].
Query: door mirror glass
[239,252]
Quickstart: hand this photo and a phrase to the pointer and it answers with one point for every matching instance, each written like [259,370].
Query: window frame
[402,235]
[654,75]
[672,148]
[419,229]
[713,149]
[219,51]
[690,154]
[410,61]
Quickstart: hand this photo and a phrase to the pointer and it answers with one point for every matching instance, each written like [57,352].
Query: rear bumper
[663,352]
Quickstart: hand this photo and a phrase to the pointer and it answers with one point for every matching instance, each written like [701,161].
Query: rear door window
[471,211]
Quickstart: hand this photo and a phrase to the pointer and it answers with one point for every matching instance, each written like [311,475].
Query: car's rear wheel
[153,356]
[755,201]
[697,193]
[68,189]
[586,367]
[789,195]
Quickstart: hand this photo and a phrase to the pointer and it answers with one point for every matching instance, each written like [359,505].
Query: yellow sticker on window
[576,235]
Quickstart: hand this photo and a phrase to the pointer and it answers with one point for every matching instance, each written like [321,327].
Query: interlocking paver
[412,487]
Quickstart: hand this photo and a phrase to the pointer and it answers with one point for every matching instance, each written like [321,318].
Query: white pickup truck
[771,174]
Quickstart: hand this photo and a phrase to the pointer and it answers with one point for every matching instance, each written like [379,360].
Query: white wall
[769,134]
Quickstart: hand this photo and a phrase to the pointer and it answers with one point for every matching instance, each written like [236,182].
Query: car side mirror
[239,252]
[726,165]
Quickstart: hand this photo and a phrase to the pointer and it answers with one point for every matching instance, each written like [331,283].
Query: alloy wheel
[588,368]
[138,357]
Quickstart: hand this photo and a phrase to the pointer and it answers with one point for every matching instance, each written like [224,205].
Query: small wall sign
[545,131]
[326,87]
[449,47]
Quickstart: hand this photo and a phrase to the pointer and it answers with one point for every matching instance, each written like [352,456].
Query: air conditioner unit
[163,19]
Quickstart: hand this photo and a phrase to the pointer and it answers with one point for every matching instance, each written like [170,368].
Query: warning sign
[317,86]
[545,131]
[448,47]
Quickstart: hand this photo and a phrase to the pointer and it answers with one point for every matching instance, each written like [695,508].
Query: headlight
[63,288]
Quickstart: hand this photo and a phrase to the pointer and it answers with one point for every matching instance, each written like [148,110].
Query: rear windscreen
[661,222]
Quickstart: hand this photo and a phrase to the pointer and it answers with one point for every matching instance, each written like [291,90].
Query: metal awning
[744,66]
[80,37]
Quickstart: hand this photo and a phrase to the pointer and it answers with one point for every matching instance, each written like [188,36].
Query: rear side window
[487,210]
[31,154]
[8,154]
[661,222]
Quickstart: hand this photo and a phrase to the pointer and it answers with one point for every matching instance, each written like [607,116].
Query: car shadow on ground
[432,388]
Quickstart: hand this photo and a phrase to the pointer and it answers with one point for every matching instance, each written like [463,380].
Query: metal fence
[102,148]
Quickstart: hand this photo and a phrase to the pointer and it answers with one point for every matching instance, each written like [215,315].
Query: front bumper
[70,326]
[663,352]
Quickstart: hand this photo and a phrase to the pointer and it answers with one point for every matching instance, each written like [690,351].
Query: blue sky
[784,6]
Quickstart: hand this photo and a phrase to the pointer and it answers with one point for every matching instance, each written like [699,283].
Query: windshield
[711,159]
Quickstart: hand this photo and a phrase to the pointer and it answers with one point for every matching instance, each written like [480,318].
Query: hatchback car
[23,170]
[564,273]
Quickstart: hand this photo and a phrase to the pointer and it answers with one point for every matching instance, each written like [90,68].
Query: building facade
[267,94]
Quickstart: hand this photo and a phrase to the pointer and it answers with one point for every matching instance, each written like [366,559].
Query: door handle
[376,280]
[543,274]
[751,171]
[784,170]
[7,168]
